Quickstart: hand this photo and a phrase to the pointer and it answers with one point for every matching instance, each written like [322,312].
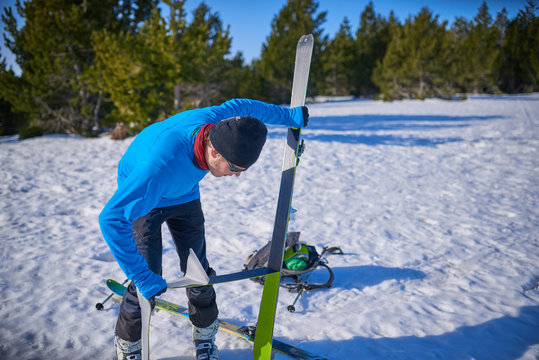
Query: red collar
[200,147]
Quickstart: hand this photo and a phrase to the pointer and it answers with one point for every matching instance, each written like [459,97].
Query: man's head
[239,140]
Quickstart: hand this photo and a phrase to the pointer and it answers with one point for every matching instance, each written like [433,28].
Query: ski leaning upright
[268,305]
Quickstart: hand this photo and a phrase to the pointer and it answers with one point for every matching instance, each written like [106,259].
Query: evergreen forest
[87,65]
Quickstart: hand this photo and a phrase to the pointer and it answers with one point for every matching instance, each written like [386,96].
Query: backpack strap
[334,250]
[324,285]
[299,285]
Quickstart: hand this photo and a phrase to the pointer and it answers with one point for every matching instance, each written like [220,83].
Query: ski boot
[204,340]
[128,350]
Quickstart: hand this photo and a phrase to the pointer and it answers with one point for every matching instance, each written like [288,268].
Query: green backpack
[299,260]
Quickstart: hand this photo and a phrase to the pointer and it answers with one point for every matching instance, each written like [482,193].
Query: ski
[268,305]
[242,332]
[194,276]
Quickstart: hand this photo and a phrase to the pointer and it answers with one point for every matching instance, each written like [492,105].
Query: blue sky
[250,20]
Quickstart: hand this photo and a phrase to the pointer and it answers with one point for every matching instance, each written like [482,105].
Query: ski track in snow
[434,203]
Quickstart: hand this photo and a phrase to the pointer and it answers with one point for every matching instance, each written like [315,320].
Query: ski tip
[306,39]
[195,273]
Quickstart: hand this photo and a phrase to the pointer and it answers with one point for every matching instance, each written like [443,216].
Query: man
[158,180]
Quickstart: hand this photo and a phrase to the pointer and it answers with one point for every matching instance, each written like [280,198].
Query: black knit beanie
[239,139]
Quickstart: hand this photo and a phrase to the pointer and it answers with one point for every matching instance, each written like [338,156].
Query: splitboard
[292,151]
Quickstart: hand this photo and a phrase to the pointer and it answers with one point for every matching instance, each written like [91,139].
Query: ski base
[246,333]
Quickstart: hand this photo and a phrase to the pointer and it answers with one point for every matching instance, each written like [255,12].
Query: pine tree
[167,64]
[125,68]
[276,65]
[518,62]
[476,52]
[339,62]
[205,44]
[372,39]
[236,79]
[54,51]
[417,60]
[483,36]
[460,30]
[10,122]
[131,67]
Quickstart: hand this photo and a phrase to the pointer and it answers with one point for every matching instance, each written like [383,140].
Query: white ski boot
[128,350]
[204,340]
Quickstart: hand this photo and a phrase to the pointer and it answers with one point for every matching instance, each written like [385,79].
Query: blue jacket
[158,170]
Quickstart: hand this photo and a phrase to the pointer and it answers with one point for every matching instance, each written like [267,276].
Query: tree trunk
[97,128]
[177,99]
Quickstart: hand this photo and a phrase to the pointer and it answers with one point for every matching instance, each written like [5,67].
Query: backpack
[299,259]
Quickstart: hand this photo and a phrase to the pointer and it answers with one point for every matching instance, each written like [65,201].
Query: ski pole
[292,308]
[99,305]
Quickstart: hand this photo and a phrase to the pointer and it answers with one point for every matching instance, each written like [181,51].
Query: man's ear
[214,154]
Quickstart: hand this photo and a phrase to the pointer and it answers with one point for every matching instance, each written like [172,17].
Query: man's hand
[151,285]
[152,299]
[305,115]
[161,291]
[302,120]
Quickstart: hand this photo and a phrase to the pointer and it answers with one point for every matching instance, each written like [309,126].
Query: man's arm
[138,194]
[267,113]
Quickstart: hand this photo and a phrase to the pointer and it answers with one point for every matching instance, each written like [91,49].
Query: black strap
[334,250]
[303,285]
[248,330]
[324,285]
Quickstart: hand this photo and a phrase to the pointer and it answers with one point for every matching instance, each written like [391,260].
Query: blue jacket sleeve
[267,113]
[136,196]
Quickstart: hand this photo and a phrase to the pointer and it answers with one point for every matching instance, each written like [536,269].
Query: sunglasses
[234,169]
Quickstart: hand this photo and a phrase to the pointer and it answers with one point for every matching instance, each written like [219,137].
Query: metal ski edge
[174,309]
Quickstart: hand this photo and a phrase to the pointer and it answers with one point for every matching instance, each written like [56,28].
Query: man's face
[219,167]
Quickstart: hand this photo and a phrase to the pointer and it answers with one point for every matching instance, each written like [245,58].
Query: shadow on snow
[392,122]
[360,277]
[340,128]
[507,337]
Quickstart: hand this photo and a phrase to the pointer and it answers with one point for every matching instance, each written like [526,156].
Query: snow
[435,204]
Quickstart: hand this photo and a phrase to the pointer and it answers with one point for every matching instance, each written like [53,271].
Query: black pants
[186,225]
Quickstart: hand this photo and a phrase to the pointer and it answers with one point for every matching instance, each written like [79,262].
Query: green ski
[266,315]
[242,332]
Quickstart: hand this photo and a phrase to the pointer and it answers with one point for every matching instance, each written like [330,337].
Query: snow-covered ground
[435,204]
